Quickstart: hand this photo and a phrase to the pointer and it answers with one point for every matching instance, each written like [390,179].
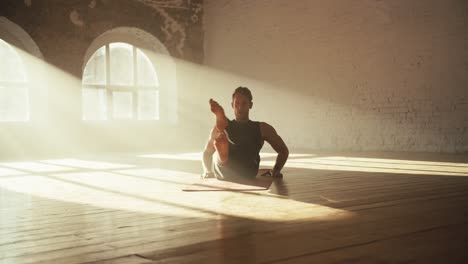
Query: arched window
[120,82]
[14,90]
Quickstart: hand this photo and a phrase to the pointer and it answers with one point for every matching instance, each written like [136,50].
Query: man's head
[242,103]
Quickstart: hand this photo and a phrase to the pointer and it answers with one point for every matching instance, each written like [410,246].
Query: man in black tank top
[237,143]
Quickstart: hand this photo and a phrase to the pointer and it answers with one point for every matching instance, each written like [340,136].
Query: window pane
[148,105]
[122,105]
[146,73]
[14,104]
[94,104]
[95,70]
[121,64]
[11,67]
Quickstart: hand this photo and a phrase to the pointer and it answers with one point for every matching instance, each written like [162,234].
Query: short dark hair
[243,91]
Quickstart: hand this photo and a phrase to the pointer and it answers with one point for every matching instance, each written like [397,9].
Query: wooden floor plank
[424,246]
[323,215]
[276,234]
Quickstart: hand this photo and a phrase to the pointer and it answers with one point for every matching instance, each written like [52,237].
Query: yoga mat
[213,184]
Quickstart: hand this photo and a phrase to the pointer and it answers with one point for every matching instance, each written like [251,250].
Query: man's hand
[269,135]
[273,173]
[207,175]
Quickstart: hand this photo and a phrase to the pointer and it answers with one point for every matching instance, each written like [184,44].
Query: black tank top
[244,150]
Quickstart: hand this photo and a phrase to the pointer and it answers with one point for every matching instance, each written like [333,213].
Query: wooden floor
[329,208]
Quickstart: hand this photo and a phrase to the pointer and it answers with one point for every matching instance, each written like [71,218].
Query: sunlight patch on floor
[87,164]
[35,167]
[159,191]
[9,172]
[377,165]
[182,156]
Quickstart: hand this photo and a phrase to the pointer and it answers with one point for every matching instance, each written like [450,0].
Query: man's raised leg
[221,145]
[221,142]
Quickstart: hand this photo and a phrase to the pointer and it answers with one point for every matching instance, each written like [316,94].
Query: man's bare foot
[216,108]
[221,119]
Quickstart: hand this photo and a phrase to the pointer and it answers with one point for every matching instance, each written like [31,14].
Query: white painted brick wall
[388,75]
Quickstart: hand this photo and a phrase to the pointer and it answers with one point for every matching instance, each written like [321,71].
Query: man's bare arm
[208,152]
[269,135]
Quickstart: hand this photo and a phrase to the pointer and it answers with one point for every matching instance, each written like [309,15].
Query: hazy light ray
[86,164]
[376,165]
[56,131]
[146,66]
[10,143]
[62,102]
[40,73]
[17,72]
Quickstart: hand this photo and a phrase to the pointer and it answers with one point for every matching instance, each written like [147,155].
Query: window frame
[25,84]
[132,89]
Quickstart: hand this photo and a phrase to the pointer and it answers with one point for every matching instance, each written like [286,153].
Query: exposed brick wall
[65,33]
[352,75]
[63,30]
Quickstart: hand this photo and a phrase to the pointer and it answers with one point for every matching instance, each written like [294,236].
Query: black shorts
[233,171]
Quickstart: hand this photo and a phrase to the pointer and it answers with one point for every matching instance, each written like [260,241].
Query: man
[237,142]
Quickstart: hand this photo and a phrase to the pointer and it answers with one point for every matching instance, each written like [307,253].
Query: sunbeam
[151,190]
[378,165]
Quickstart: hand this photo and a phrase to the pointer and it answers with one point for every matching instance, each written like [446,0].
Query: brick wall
[346,75]
[65,34]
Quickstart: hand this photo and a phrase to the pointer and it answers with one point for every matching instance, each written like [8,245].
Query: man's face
[241,105]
